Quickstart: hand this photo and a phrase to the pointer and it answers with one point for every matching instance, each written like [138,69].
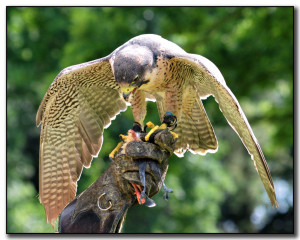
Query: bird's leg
[139,109]
[117,148]
[171,121]
[173,104]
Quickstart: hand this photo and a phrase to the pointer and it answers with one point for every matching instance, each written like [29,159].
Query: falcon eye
[135,79]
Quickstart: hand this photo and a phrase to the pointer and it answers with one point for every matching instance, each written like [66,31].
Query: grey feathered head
[131,63]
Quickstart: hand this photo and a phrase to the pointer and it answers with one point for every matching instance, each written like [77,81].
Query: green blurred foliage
[253,48]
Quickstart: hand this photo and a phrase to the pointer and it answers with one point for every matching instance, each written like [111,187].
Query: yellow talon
[123,137]
[163,126]
[175,135]
[150,125]
[150,133]
[155,128]
[117,148]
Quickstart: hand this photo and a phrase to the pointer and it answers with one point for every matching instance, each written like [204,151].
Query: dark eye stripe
[143,82]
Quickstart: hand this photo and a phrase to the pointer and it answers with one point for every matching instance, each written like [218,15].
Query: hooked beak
[127,91]
[126,95]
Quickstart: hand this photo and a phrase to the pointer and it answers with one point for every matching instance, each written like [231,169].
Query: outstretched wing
[78,105]
[207,80]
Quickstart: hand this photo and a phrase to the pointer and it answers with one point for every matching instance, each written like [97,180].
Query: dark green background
[216,193]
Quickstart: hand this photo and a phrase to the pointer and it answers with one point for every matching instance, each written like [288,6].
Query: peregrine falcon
[84,98]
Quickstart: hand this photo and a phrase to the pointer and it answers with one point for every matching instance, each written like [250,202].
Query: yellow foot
[117,148]
[169,121]
[154,128]
[123,137]
[175,135]
[150,133]
[150,125]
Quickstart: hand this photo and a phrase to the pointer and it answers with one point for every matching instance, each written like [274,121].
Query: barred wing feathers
[77,107]
[207,80]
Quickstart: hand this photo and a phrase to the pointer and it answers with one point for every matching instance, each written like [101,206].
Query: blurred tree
[253,48]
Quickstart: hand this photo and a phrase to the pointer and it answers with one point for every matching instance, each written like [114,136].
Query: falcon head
[130,65]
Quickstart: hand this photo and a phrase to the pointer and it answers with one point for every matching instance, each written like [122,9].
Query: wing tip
[272,196]
[274,201]
[275,204]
